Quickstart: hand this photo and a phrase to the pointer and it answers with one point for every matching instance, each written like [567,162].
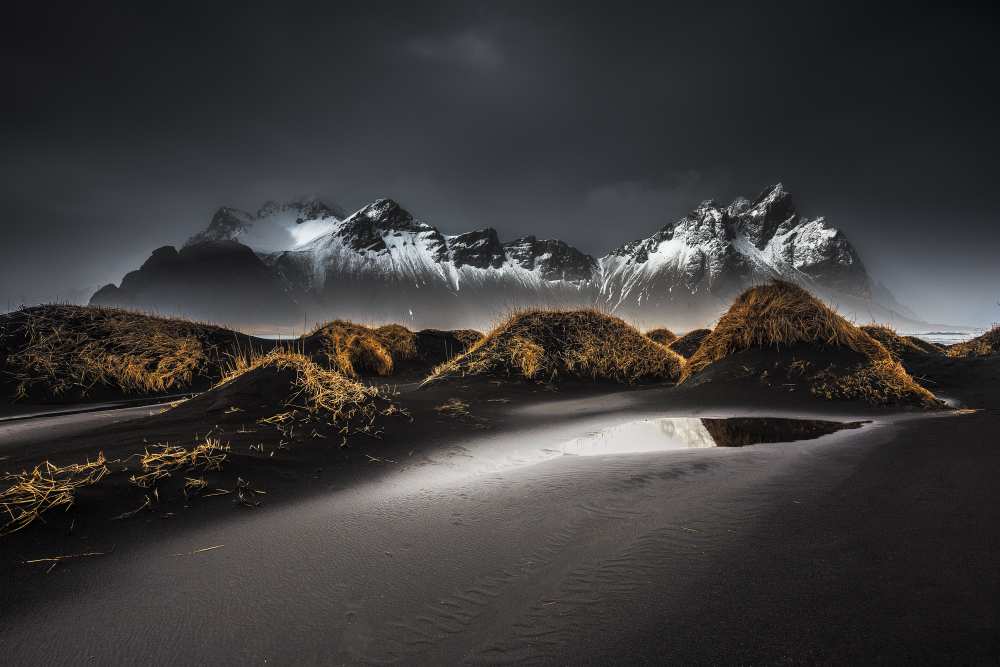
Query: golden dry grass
[46,487]
[549,345]
[467,337]
[661,336]
[400,341]
[776,315]
[881,382]
[982,346]
[355,349]
[782,315]
[167,459]
[898,345]
[313,389]
[454,407]
[62,349]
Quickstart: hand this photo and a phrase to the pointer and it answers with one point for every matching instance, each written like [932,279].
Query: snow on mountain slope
[384,242]
[380,263]
[716,251]
[275,227]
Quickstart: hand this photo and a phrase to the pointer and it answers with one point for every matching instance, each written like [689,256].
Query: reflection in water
[653,435]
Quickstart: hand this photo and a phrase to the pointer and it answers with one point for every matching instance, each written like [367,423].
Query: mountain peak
[385,213]
[761,219]
[304,208]
[273,228]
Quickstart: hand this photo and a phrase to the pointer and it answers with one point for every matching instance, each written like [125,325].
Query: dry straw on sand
[550,345]
[62,349]
[167,459]
[46,487]
[780,315]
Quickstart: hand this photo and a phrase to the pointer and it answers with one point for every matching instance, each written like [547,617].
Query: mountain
[274,227]
[716,251]
[307,260]
[217,281]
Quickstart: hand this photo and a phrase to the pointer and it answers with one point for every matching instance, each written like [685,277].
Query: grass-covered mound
[292,392]
[898,346]
[552,345]
[71,352]
[357,350]
[804,343]
[662,336]
[982,346]
[354,349]
[687,344]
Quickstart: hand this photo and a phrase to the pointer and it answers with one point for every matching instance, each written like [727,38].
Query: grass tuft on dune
[357,350]
[781,315]
[981,346]
[305,385]
[552,345]
[353,349]
[59,350]
[897,345]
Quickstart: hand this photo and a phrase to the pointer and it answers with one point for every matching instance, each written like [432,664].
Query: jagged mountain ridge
[381,263]
[273,227]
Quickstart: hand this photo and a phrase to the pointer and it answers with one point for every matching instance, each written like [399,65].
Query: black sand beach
[465,539]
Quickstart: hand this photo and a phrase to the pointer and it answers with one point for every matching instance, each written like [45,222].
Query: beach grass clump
[661,335]
[307,386]
[400,341]
[781,315]
[689,343]
[164,460]
[46,487]
[60,349]
[552,345]
[350,348]
[899,346]
[985,345]
[467,337]
[354,349]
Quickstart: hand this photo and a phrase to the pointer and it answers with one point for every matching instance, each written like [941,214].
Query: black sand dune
[356,522]
[447,548]
[780,337]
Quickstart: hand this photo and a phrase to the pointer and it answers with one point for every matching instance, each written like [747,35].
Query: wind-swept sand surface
[876,544]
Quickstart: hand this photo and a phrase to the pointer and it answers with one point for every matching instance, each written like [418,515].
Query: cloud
[468,48]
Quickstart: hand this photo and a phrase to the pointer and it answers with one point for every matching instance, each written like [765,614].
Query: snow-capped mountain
[274,227]
[382,264]
[716,251]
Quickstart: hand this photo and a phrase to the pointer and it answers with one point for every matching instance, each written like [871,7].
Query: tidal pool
[654,435]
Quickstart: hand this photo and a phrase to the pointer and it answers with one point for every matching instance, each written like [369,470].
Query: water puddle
[655,435]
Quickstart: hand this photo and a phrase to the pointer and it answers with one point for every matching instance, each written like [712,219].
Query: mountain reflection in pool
[654,435]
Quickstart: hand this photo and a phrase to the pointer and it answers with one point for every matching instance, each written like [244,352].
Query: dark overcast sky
[124,128]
